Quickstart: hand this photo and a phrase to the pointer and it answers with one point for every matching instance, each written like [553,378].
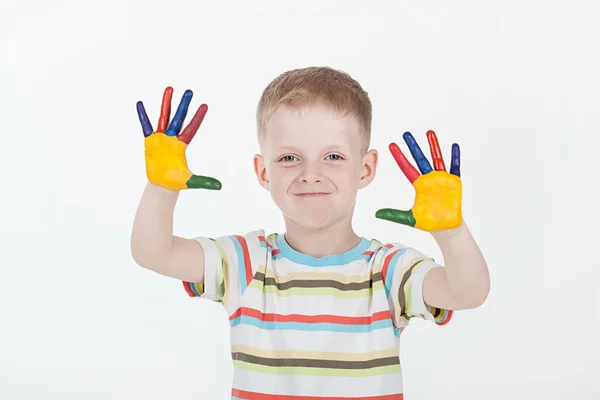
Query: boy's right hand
[166,164]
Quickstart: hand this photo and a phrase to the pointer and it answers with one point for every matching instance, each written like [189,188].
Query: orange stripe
[334,319]
[260,396]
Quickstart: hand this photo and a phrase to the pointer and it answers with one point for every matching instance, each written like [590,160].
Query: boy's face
[313,165]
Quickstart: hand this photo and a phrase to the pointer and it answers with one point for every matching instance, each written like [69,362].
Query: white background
[516,83]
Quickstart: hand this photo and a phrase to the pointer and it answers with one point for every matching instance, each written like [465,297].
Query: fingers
[182,110]
[165,110]
[455,162]
[190,131]
[203,182]
[417,154]
[397,216]
[409,171]
[146,125]
[436,152]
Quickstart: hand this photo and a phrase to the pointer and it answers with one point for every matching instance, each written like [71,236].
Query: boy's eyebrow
[335,146]
[285,147]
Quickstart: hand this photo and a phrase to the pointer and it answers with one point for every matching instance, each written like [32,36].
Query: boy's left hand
[438,198]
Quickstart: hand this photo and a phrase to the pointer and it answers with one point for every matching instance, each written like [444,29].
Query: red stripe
[247,261]
[448,317]
[275,252]
[310,319]
[261,396]
[186,286]
[386,264]
[263,240]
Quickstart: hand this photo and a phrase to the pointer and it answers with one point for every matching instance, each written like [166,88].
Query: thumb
[397,216]
[203,182]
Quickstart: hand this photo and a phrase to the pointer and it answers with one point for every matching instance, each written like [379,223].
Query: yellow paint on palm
[166,163]
[438,200]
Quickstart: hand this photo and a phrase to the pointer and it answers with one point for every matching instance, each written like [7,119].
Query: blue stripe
[389,277]
[195,289]
[332,260]
[366,257]
[321,326]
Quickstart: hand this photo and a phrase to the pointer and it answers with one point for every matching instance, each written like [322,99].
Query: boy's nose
[311,175]
[311,178]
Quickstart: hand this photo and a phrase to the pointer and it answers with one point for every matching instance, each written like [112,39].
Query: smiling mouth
[312,194]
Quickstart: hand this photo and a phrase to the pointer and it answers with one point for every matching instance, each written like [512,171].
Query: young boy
[315,312]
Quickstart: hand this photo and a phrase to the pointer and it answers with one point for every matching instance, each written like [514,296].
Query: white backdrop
[516,83]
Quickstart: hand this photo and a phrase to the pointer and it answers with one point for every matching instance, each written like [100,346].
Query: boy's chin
[316,222]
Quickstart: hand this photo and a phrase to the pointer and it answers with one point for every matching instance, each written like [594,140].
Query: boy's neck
[336,239]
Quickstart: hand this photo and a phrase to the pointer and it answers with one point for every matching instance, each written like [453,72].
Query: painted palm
[166,163]
[438,195]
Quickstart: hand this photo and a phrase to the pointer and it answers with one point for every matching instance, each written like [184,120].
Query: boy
[315,312]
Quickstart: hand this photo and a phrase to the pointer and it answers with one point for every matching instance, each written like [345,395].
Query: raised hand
[166,164]
[438,193]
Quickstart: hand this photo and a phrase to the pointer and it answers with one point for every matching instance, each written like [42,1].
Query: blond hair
[310,86]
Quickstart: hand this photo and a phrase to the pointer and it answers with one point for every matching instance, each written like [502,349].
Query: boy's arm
[465,281]
[153,245]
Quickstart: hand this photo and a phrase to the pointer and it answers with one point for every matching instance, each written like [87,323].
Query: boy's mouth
[312,194]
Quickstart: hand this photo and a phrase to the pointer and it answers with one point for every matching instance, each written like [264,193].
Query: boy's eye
[335,157]
[287,158]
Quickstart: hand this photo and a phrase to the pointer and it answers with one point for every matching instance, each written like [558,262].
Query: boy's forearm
[152,234]
[466,270]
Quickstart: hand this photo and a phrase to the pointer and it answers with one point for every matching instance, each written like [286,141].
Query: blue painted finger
[455,163]
[417,154]
[146,125]
[177,122]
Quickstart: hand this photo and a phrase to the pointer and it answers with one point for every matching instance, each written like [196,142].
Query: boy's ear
[261,171]
[369,168]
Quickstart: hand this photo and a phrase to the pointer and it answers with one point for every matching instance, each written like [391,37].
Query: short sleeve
[230,263]
[403,271]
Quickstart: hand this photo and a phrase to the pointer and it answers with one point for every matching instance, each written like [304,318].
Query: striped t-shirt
[315,328]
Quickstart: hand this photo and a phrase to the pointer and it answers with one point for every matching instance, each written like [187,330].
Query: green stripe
[357,373]
[256,284]
[315,363]
[318,283]
[405,290]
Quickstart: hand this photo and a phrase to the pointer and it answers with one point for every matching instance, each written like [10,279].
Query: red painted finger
[190,131]
[436,152]
[165,110]
[409,171]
